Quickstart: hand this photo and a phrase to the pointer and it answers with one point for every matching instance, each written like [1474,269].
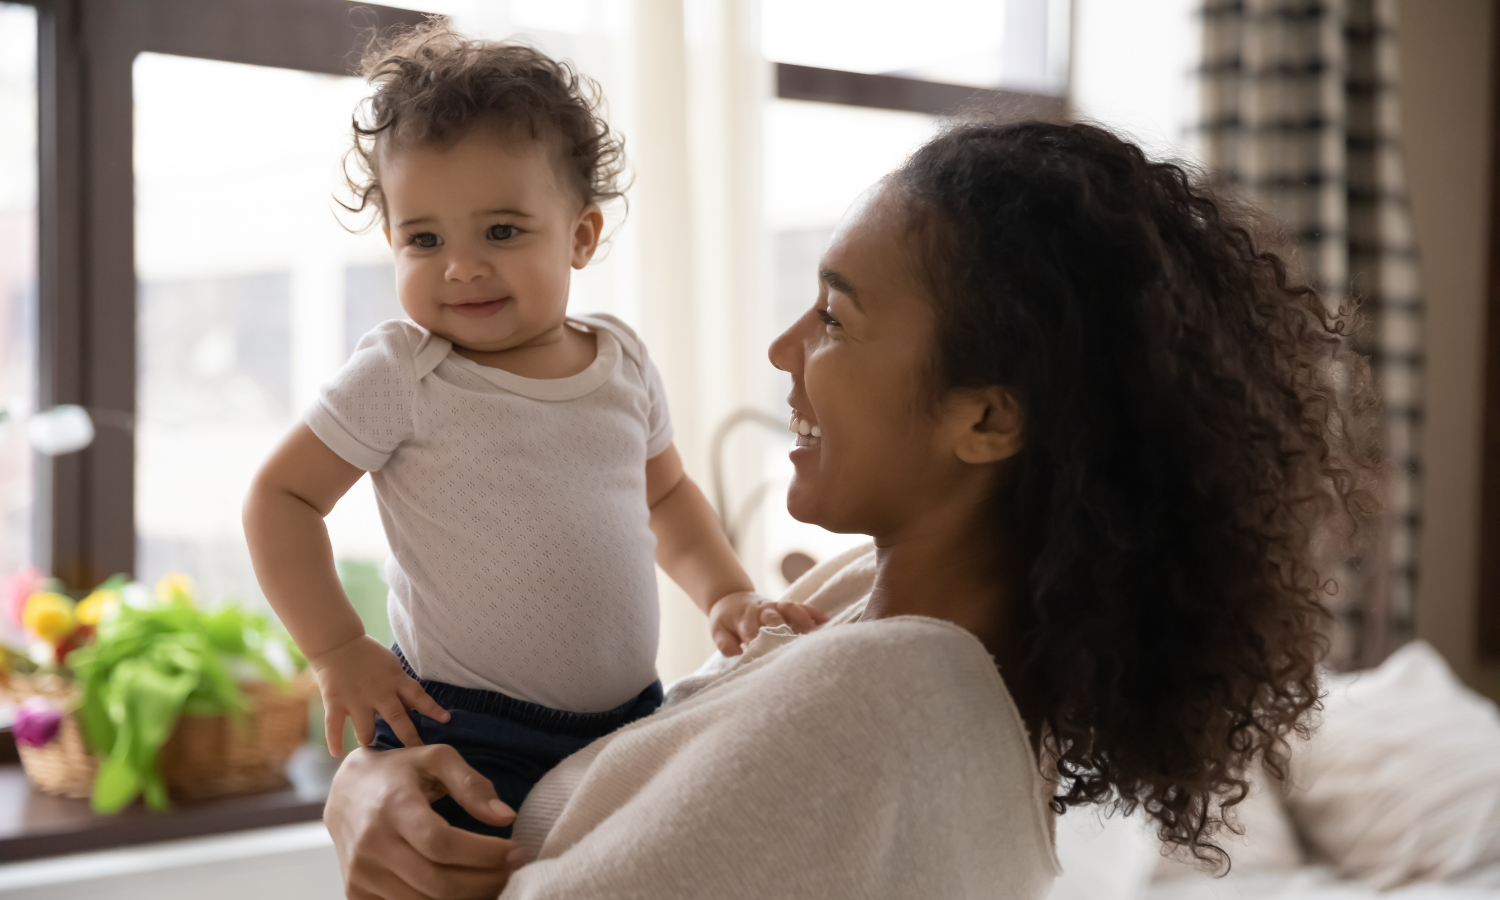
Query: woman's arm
[392,846]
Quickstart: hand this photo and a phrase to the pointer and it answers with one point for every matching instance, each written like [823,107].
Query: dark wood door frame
[86,208]
[1489,529]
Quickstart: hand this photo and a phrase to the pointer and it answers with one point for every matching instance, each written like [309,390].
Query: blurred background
[250,292]
[1365,128]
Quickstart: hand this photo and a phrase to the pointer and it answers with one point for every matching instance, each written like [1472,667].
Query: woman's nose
[786,350]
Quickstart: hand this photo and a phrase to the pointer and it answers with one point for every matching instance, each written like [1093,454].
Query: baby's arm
[284,511]
[692,548]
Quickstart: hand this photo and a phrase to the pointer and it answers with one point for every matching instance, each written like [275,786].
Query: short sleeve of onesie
[365,412]
[658,417]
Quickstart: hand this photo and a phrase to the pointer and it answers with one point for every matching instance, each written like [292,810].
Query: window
[818,158]
[854,96]
[18,280]
[1020,45]
[250,295]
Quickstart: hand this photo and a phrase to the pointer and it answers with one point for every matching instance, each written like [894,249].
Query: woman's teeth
[808,435]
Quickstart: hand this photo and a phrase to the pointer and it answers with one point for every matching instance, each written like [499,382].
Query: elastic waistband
[534,715]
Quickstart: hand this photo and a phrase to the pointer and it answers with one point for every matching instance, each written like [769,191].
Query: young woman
[1094,432]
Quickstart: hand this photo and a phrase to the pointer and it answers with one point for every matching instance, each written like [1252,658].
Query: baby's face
[485,233]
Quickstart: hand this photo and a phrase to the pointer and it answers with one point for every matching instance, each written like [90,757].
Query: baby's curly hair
[432,85]
[1194,422]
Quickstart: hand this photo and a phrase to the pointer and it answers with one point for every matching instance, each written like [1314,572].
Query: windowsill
[34,825]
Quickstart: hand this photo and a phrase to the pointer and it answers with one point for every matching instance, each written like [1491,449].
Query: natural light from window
[1020,44]
[251,294]
[18,282]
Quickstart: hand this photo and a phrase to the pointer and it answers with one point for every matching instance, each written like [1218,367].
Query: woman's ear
[993,428]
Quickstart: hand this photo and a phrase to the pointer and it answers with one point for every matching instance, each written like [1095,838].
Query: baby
[522,458]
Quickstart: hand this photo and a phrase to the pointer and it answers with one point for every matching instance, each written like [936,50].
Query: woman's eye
[828,320]
[501,232]
[425,240]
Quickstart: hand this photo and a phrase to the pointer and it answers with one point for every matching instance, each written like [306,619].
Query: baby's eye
[425,240]
[501,232]
[828,320]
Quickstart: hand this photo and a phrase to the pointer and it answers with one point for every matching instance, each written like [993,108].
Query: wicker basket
[206,756]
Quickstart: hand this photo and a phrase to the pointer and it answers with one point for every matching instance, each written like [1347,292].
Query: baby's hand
[361,678]
[735,619]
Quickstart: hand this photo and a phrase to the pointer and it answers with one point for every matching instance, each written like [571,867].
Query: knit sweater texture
[880,759]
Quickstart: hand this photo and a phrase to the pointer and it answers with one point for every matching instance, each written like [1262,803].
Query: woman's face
[881,456]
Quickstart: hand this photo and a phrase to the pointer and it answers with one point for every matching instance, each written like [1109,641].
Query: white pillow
[1104,858]
[1401,782]
[1267,842]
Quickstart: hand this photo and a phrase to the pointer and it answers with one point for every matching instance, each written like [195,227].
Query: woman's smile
[809,436]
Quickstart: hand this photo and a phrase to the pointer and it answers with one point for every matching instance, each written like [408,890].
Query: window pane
[819,157]
[251,295]
[18,288]
[1019,44]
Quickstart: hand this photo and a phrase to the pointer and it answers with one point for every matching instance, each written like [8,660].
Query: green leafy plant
[149,666]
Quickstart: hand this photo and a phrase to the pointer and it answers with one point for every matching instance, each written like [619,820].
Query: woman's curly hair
[1193,421]
[432,85]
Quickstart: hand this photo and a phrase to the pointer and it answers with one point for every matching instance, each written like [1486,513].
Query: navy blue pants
[511,742]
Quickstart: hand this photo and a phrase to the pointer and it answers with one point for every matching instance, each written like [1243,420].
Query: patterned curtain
[1300,114]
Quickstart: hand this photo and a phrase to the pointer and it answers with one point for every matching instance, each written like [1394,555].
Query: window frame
[85,502]
[934,98]
[1488,601]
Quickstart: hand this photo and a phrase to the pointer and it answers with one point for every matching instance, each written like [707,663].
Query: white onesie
[523,560]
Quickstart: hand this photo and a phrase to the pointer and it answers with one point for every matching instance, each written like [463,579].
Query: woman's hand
[735,619]
[392,846]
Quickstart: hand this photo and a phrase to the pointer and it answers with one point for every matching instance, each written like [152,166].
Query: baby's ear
[586,234]
[993,422]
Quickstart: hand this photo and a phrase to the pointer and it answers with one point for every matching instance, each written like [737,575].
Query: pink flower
[37,722]
[20,586]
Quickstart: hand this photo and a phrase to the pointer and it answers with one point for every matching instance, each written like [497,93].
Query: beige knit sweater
[868,759]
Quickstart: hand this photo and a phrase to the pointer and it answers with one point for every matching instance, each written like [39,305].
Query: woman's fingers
[467,787]
[421,701]
[392,846]
[441,844]
[413,867]
[399,721]
[333,729]
[375,879]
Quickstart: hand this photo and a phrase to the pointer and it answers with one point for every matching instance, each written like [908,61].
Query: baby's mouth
[480,308]
[808,434]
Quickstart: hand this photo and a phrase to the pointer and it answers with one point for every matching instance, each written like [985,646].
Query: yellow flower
[175,590]
[49,616]
[96,606]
